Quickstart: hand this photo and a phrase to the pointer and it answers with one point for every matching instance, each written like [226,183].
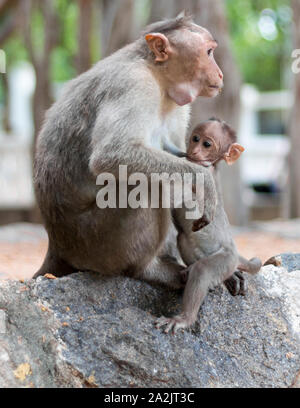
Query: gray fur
[109,116]
[212,258]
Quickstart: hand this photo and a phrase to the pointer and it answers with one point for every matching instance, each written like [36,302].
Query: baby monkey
[209,253]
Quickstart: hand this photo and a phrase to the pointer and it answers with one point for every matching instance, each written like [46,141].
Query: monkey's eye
[207,144]
[209,52]
[196,139]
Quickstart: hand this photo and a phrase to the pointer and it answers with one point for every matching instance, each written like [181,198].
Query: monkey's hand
[237,284]
[210,203]
[201,223]
[173,323]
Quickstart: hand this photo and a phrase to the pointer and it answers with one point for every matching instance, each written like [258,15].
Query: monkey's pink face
[193,68]
[204,71]
[210,143]
[204,144]
[189,67]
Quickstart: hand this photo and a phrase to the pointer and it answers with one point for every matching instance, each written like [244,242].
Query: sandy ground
[22,253]
[21,260]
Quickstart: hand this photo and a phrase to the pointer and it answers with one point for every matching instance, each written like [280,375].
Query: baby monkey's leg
[194,294]
[203,274]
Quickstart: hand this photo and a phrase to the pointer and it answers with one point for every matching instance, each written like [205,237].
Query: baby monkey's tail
[252,266]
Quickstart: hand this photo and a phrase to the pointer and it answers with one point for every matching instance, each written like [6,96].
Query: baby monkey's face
[212,141]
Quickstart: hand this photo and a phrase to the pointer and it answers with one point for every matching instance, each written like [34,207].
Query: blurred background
[44,43]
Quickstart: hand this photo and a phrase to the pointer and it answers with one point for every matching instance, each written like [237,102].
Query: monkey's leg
[203,274]
[54,266]
[199,280]
[164,271]
[237,284]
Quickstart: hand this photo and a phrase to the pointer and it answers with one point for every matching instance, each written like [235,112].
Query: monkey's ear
[159,45]
[233,153]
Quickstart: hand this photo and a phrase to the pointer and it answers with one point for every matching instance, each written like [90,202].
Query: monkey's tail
[252,266]
[54,265]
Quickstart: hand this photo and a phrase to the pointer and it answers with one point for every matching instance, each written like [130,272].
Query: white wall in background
[21,84]
[16,190]
[265,155]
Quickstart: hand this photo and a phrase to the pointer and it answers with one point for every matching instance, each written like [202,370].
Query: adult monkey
[118,113]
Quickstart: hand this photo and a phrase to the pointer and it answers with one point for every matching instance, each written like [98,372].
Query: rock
[86,330]
[2,322]
[289,261]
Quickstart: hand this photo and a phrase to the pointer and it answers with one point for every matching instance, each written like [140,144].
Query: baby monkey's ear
[234,152]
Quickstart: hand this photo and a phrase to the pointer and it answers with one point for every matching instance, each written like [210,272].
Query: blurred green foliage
[62,60]
[262,61]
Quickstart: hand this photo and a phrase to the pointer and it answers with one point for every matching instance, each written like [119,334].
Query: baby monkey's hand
[201,223]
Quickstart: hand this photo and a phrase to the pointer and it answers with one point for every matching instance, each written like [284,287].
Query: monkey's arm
[125,133]
[114,145]
[142,159]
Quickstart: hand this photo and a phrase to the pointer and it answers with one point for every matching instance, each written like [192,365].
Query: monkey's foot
[201,223]
[237,284]
[50,276]
[173,323]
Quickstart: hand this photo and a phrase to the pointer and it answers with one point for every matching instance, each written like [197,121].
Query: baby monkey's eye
[196,139]
[207,144]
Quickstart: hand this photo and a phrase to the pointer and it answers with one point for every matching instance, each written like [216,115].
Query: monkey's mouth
[218,88]
[204,163]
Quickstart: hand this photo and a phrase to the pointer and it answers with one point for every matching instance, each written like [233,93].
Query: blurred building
[264,166]
[16,191]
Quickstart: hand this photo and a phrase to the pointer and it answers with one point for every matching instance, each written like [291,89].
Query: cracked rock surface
[87,330]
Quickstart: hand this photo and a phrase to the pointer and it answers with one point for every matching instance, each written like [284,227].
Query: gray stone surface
[2,322]
[86,330]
